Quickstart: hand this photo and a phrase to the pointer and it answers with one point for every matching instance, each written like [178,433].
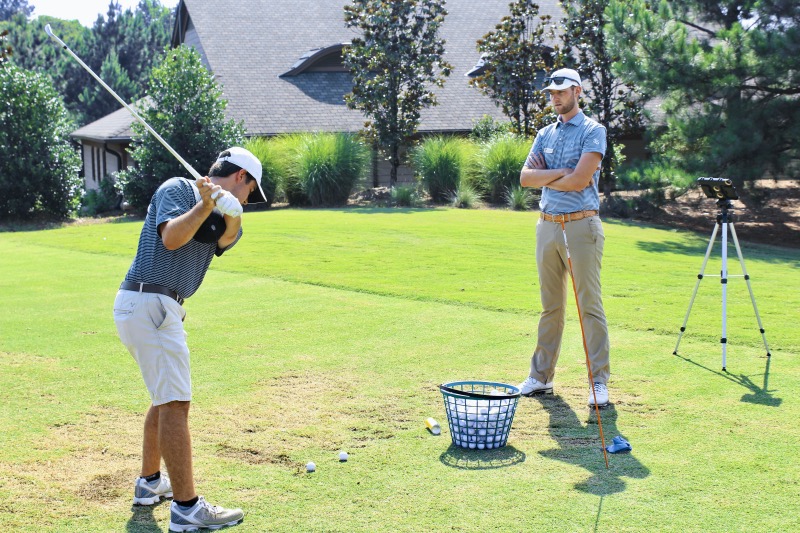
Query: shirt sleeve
[221,251]
[595,141]
[535,148]
[171,202]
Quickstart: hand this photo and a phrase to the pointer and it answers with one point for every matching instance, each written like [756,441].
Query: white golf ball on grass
[343,457]
[311,467]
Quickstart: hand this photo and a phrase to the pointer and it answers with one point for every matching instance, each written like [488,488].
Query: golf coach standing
[565,162]
[181,234]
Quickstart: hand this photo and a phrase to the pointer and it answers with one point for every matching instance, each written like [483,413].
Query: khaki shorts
[151,327]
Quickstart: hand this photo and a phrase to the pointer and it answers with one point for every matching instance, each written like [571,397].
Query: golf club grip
[478,395]
[196,175]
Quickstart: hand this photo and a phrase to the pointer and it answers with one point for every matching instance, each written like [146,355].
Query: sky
[85,11]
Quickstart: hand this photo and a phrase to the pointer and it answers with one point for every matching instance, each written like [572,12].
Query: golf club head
[48,30]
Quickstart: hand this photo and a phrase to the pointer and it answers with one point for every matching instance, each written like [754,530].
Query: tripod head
[722,189]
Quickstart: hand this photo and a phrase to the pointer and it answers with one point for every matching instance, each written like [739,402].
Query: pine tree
[729,72]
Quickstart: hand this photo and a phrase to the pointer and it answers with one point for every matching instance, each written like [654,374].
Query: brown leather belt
[569,217]
[148,287]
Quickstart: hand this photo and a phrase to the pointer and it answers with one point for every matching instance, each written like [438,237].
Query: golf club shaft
[181,160]
[585,346]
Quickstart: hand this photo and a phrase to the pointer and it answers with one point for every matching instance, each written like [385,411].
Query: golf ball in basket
[343,456]
[310,467]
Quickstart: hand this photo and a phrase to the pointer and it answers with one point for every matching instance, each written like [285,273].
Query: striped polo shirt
[562,145]
[180,270]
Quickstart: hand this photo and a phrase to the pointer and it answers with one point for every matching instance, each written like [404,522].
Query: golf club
[585,346]
[196,175]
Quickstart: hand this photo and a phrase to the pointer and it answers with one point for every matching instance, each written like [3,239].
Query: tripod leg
[724,280]
[750,289]
[697,286]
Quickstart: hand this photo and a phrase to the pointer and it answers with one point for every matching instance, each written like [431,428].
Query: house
[280,65]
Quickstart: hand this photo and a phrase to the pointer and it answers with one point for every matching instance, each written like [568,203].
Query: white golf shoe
[599,391]
[532,387]
[202,515]
[145,493]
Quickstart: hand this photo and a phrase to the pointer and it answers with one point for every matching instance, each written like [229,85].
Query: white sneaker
[531,387]
[599,391]
[202,515]
[145,493]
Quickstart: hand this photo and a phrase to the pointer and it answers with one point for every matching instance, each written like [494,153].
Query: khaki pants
[586,241]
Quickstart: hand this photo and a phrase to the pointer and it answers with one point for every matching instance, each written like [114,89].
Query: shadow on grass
[580,445]
[760,395]
[142,519]
[458,457]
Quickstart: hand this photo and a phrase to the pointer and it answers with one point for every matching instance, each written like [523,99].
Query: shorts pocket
[156,311]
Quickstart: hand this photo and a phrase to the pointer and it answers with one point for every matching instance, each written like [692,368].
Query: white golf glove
[227,203]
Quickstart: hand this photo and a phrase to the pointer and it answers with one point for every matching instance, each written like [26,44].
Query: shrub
[273,166]
[39,168]
[519,198]
[107,198]
[405,196]
[329,165]
[465,197]
[499,164]
[486,127]
[439,163]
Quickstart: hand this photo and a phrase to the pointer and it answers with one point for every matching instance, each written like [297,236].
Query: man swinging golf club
[564,162]
[181,234]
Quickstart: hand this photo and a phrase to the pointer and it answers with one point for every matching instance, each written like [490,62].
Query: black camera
[718,188]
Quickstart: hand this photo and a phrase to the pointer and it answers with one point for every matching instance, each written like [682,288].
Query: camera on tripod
[720,189]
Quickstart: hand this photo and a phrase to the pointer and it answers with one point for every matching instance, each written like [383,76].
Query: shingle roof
[250,43]
[112,127]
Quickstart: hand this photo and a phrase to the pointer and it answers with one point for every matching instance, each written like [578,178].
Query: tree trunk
[395,161]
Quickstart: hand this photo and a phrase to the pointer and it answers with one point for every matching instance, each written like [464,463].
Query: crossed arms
[536,174]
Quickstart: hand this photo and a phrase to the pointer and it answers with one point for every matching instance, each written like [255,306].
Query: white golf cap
[245,159]
[561,79]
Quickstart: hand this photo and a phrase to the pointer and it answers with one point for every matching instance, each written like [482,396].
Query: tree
[617,105]
[9,8]
[516,57]
[39,168]
[729,72]
[185,106]
[394,63]
[120,47]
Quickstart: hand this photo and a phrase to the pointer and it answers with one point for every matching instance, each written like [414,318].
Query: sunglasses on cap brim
[558,80]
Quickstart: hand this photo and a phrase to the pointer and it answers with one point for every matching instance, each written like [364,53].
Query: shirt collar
[577,120]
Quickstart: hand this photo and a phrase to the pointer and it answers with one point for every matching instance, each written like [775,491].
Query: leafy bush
[519,198]
[486,127]
[186,108]
[465,197]
[499,165]
[405,196]
[107,198]
[439,163]
[39,168]
[273,166]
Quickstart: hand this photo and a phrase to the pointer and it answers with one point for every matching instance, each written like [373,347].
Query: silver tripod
[724,220]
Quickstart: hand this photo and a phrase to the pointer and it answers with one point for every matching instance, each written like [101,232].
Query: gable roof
[250,56]
[113,127]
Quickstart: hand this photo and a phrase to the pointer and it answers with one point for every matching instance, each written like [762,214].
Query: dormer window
[328,59]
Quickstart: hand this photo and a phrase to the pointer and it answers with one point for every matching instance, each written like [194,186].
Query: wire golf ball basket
[479,413]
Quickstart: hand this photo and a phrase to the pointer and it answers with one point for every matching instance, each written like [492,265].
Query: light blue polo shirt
[562,145]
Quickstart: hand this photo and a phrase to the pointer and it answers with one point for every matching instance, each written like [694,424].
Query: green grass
[331,329]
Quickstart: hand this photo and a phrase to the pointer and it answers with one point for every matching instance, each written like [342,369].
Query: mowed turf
[329,330]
